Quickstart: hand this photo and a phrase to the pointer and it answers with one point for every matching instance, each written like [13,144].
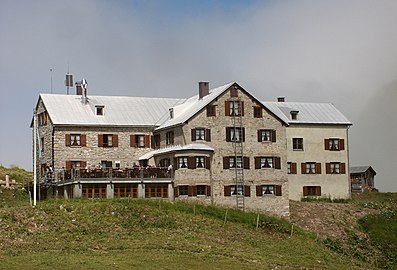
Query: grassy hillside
[18,174]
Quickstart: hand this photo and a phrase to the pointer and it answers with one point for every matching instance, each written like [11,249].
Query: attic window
[99,110]
[294,115]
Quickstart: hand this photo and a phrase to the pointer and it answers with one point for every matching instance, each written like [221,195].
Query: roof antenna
[51,78]
[68,81]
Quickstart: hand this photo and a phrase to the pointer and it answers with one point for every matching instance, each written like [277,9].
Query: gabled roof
[361,169]
[308,113]
[118,110]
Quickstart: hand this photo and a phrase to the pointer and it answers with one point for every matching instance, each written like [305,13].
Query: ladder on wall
[238,153]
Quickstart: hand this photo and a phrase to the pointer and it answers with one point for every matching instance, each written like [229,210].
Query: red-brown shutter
[100,140]
[83,164]
[305,191]
[327,168]
[318,168]
[193,133]
[207,163]
[208,135]
[227,108]
[343,168]
[293,168]
[176,191]
[226,191]
[259,135]
[274,136]
[83,140]
[258,191]
[68,165]
[132,141]
[176,165]
[278,190]
[208,190]
[326,144]
[341,144]
[115,140]
[67,140]
[190,191]
[228,137]
[277,163]
[257,162]
[303,168]
[246,163]
[194,188]
[243,134]
[191,162]
[147,141]
[226,164]
[247,191]
[318,191]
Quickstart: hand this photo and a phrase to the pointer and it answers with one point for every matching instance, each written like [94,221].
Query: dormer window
[99,110]
[171,113]
[294,115]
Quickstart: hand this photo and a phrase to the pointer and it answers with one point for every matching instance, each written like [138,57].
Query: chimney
[281,99]
[79,89]
[84,85]
[204,89]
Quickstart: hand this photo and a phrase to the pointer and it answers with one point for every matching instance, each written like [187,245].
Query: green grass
[18,174]
[153,234]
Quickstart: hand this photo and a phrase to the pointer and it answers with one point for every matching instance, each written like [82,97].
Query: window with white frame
[297,143]
[107,140]
[236,134]
[182,162]
[200,134]
[75,139]
[200,162]
[234,108]
[310,167]
[268,190]
[267,162]
[235,162]
[335,167]
[333,144]
[236,190]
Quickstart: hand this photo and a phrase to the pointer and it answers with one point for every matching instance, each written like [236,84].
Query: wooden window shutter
[152,141]
[277,163]
[326,144]
[305,191]
[83,164]
[147,141]
[227,108]
[243,133]
[257,162]
[193,134]
[68,165]
[258,191]
[341,144]
[176,191]
[259,135]
[343,168]
[303,168]
[83,140]
[247,191]
[327,168]
[194,188]
[246,163]
[67,140]
[132,141]
[293,168]
[242,108]
[208,190]
[228,137]
[175,165]
[318,191]
[274,136]
[278,190]
[115,140]
[226,191]
[100,140]
[207,162]
[318,168]
[208,135]
[191,162]
[226,164]
[190,191]
[233,93]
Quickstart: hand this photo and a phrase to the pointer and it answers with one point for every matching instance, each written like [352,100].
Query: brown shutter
[100,140]
[147,140]
[278,190]
[318,168]
[132,140]
[241,108]
[318,191]
[226,164]
[207,163]
[175,165]
[190,191]
[68,165]
[327,168]
[83,140]
[226,191]
[228,137]
[115,140]
[227,108]
[67,140]
[247,191]
[305,191]
[258,191]
[191,162]
[233,93]
[259,135]
[257,162]
[326,144]
[176,191]
[193,132]
[341,144]
[243,134]
[293,168]
[246,163]
[83,164]
[277,163]
[208,135]
[303,168]
[274,136]
[343,168]
[208,190]
[194,188]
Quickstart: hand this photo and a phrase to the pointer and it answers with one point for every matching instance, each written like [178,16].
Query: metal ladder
[238,153]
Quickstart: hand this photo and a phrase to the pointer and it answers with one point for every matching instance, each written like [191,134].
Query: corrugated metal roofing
[118,110]
[308,113]
[174,148]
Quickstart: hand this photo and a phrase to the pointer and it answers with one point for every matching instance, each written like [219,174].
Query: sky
[343,52]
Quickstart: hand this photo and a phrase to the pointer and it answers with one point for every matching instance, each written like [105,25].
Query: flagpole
[34,157]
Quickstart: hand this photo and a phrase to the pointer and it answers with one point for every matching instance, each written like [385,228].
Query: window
[156,190]
[183,190]
[235,162]
[311,191]
[170,137]
[201,134]
[201,190]
[257,112]
[311,168]
[232,162]
[236,190]
[157,140]
[291,168]
[267,162]
[266,135]
[235,134]
[200,162]
[117,164]
[334,144]
[198,190]
[335,168]
[99,110]
[211,110]
[126,190]
[165,162]
[108,140]
[94,190]
[297,143]
[42,145]
[234,105]
[234,108]
[268,190]
[182,162]
[294,115]
[75,139]
[139,140]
